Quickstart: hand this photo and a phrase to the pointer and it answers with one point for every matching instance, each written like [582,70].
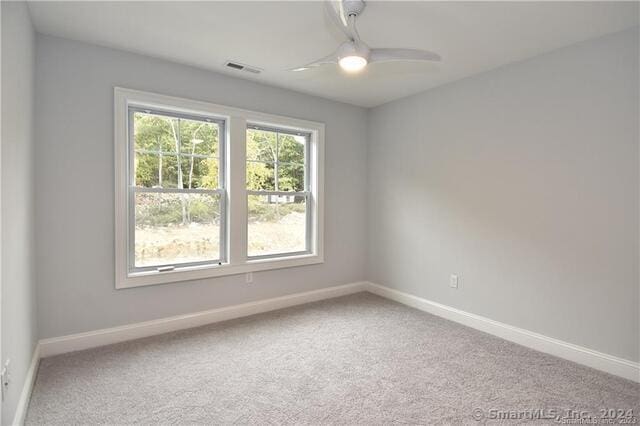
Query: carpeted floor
[358,359]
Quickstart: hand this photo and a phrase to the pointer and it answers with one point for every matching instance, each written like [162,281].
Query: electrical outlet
[5,379]
[453,281]
[249,277]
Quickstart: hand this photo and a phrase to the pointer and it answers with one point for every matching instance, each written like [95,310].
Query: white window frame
[306,192]
[133,189]
[235,260]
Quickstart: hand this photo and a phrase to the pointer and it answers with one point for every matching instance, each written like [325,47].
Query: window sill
[140,279]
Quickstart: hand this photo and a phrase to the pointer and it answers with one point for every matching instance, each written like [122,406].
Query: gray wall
[19,333]
[524,181]
[75,189]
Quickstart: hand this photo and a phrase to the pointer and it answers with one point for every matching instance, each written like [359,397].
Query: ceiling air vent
[242,67]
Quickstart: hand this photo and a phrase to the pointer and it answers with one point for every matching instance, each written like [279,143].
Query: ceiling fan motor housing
[353,7]
[353,55]
[351,48]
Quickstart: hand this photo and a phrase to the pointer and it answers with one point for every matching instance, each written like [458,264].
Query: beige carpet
[358,359]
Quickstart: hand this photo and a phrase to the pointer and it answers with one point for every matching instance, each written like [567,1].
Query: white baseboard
[25,395]
[581,355]
[91,339]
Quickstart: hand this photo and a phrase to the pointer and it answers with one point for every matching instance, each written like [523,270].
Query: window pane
[291,148]
[291,177]
[200,172]
[277,224]
[156,171]
[155,132]
[176,228]
[261,145]
[260,176]
[198,137]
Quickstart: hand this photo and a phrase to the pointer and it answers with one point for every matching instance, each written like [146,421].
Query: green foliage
[291,149]
[160,140]
[264,149]
[261,145]
[181,153]
[159,210]
[204,211]
[154,210]
[260,176]
[291,177]
[261,210]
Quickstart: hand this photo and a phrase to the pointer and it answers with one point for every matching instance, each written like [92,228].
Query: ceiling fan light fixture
[352,63]
[354,55]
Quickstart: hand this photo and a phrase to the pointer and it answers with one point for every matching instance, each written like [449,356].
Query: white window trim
[236,121]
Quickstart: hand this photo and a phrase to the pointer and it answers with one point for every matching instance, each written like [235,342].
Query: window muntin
[231,186]
[177,214]
[278,192]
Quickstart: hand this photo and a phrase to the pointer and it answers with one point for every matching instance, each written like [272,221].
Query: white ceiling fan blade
[388,55]
[331,59]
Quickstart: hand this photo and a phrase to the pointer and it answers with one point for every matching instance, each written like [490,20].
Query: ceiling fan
[354,54]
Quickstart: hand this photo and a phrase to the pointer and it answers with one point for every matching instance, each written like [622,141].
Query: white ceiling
[471,37]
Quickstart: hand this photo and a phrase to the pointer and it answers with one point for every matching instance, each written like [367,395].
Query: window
[204,190]
[177,190]
[277,191]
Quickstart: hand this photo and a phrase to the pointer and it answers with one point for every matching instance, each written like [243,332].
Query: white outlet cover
[453,281]
[5,379]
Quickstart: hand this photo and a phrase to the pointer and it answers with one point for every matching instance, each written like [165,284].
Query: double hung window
[204,190]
